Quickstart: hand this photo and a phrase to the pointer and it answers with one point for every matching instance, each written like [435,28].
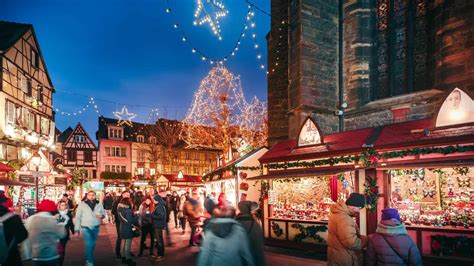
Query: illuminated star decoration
[212,15]
[124,117]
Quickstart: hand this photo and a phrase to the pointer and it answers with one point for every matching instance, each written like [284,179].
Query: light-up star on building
[211,14]
[124,117]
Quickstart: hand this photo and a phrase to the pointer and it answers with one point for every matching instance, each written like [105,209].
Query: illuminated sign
[457,108]
[309,134]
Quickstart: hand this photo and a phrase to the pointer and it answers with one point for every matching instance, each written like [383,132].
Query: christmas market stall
[233,179]
[303,178]
[182,182]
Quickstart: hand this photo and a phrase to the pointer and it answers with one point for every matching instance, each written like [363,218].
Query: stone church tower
[361,63]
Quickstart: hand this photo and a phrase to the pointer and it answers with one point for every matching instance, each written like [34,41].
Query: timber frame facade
[26,94]
[77,151]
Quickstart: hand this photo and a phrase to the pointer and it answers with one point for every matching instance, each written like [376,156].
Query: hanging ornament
[243,175]
[124,117]
[210,14]
[345,184]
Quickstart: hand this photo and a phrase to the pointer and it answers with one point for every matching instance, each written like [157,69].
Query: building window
[116,151]
[152,171]
[34,58]
[107,168]
[140,171]
[123,152]
[25,85]
[141,156]
[152,140]
[29,119]
[88,156]
[3,151]
[196,171]
[44,126]
[79,139]
[123,168]
[196,156]
[115,133]
[10,114]
[72,156]
[140,138]
[187,156]
[39,93]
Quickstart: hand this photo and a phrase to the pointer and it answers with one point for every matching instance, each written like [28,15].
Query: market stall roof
[303,172]
[8,182]
[185,178]
[5,168]
[417,133]
[334,144]
[219,169]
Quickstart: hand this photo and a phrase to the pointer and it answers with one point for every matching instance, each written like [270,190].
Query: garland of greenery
[277,229]
[366,158]
[371,193]
[309,232]
[461,246]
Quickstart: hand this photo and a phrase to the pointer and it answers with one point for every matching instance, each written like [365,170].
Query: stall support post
[37,176]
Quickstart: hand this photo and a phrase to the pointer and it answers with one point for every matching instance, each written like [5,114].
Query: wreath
[371,193]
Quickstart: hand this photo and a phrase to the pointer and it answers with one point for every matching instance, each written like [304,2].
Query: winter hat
[355,199]
[390,213]
[244,206]
[47,206]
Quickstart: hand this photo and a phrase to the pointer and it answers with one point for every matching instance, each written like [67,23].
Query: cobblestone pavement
[180,254]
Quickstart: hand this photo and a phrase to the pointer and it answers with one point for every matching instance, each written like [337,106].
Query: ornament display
[124,117]
[244,186]
[371,193]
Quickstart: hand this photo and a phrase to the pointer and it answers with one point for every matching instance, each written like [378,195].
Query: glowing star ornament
[124,117]
[211,14]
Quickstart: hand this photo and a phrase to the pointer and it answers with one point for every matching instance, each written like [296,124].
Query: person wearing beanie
[159,225]
[391,245]
[44,233]
[14,231]
[345,244]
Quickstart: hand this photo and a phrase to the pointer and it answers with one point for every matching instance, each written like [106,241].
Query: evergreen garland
[371,193]
[309,232]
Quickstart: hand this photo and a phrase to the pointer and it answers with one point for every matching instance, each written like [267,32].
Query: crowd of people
[226,235]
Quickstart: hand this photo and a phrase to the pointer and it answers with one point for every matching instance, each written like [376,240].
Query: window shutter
[11,113]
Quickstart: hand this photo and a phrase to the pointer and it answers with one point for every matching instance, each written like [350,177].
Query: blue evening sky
[127,52]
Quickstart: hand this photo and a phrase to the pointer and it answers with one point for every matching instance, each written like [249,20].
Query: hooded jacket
[14,231]
[379,251]
[254,233]
[86,217]
[344,241]
[44,233]
[159,214]
[127,220]
[225,243]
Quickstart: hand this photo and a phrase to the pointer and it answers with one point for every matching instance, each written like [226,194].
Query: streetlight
[36,161]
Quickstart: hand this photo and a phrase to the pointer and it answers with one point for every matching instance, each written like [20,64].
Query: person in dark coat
[118,242]
[108,203]
[137,200]
[391,245]
[65,217]
[253,229]
[145,220]
[127,223]
[15,231]
[70,203]
[159,225]
[174,202]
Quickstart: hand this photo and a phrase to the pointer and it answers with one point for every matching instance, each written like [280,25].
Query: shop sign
[60,181]
[27,179]
[94,185]
[112,184]
[309,133]
[272,197]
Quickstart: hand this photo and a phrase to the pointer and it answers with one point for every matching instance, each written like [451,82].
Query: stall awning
[305,172]
[5,168]
[419,133]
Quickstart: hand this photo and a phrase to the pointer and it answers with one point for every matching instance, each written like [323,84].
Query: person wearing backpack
[391,245]
[253,229]
[12,232]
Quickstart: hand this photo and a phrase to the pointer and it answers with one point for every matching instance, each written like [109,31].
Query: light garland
[249,23]
[220,117]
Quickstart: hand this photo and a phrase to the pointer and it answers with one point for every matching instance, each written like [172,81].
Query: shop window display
[434,196]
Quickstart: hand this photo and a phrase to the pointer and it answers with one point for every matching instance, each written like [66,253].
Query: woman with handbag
[128,228]
[146,224]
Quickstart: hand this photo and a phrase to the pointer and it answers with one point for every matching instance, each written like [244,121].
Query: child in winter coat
[391,245]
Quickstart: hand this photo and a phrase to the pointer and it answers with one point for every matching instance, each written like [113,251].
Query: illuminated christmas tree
[221,118]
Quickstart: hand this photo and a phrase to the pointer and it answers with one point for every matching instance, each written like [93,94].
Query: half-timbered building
[26,92]
[78,151]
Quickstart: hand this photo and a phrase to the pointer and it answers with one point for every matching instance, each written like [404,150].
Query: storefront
[234,179]
[423,168]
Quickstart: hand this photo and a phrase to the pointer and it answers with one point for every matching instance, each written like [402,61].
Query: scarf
[91,204]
